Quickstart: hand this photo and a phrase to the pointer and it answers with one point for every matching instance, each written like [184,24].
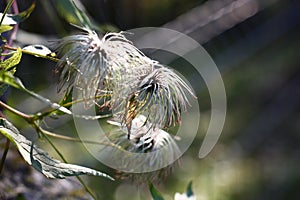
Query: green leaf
[10,63]
[40,159]
[189,191]
[155,193]
[9,79]
[23,15]
[72,14]
[4,28]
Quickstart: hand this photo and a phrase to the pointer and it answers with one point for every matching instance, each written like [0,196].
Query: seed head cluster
[112,73]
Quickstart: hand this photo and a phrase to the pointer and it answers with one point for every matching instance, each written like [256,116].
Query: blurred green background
[255,45]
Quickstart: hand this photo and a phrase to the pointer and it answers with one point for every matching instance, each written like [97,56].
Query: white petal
[7,20]
[39,49]
[183,196]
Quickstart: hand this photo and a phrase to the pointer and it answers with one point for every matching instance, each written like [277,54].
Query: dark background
[255,45]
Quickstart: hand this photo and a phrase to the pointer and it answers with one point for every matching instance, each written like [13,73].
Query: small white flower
[7,20]
[183,196]
[38,49]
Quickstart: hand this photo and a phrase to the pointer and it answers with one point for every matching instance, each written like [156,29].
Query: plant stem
[63,137]
[19,113]
[30,119]
[47,113]
[15,9]
[16,27]
[14,5]
[6,10]
[63,158]
[4,154]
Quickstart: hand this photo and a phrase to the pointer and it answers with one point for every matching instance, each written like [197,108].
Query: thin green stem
[82,100]
[4,154]
[6,10]
[31,119]
[16,112]
[47,113]
[63,137]
[63,158]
